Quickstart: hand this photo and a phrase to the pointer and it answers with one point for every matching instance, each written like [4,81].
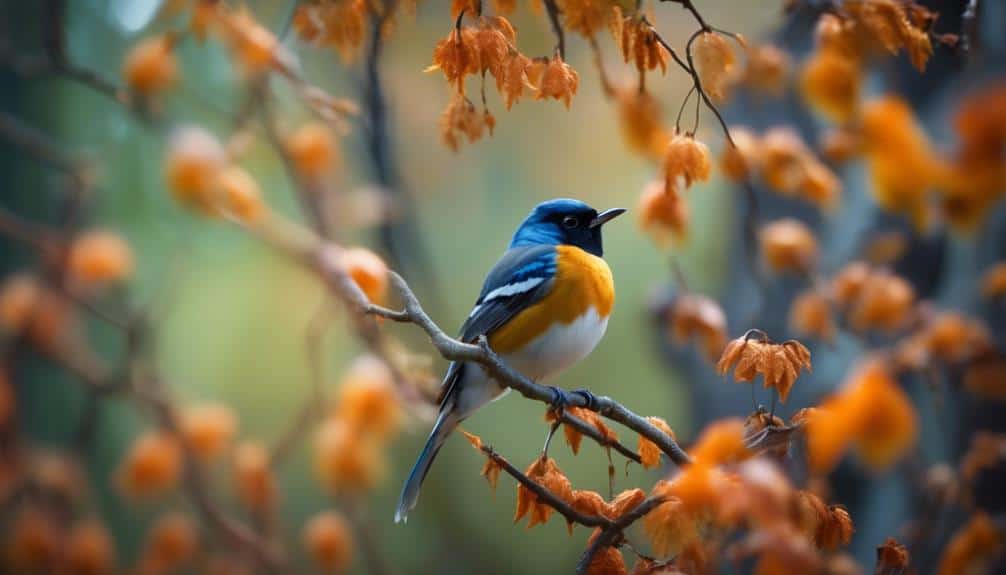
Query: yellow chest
[582,281]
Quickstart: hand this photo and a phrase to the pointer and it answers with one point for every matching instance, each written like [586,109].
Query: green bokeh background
[232,313]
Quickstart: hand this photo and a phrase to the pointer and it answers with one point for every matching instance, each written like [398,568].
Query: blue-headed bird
[543,307]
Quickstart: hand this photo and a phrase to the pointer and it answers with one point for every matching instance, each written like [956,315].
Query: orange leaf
[649,453]
[475,440]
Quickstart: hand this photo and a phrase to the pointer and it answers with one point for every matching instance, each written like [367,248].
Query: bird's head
[565,222]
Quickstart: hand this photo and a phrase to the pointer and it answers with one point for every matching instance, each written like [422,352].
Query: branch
[546,496]
[148,390]
[398,233]
[751,214]
[311,193]
[590,431]
[40,146]
[687,5]
[611,534]
[771,438]
[195,484]
[327,264]
[560,36]
[606,86]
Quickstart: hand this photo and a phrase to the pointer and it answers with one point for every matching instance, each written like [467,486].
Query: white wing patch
[509,290]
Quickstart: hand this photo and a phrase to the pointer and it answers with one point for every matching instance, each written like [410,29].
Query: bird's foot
[563,399]
[588,397]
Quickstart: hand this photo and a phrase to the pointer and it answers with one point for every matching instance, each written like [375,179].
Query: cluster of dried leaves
[489,45]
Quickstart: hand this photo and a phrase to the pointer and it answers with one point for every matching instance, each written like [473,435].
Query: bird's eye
[570,222]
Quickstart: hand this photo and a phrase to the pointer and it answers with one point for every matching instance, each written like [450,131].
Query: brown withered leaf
[663,212]
[722,441]
[828,526]
[836,528]
[546,473]
[649,453]
[461,119]
[987,450]
[810,315]
[975,543]
[588,503]
[512,78]
[494,39]
[766,70]
[641,122]
[475,440]
[773,442]
[557,80]
[607,561]
[639,45]
[491,471]
[625,502]
[573,437]
[696,316]
[892,558]
[686,161]
[994,281]
[778,364]
[985,376]
[714,62]
[788,246]
[670,527]
[457,56]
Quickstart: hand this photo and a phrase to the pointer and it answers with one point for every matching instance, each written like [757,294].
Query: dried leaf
[649,453]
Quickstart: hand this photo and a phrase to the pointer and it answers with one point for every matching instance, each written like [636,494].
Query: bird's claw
[588,397]
[563,398]
[560,398]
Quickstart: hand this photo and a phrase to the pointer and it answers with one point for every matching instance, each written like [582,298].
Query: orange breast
[582,280]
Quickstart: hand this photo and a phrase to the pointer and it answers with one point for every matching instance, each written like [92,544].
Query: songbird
[543,307]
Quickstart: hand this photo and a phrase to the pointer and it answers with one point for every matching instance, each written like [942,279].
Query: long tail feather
[446,423]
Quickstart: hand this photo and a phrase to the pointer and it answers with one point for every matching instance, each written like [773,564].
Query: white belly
[560,347]
[542,359]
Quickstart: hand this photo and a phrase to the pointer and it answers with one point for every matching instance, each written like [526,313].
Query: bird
[543,307]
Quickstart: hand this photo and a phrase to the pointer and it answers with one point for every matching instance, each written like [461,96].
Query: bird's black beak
[606,216]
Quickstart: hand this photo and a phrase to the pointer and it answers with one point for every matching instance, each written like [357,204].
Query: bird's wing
[519,279]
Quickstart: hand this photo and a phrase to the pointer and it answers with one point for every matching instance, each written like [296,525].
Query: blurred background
[230,314]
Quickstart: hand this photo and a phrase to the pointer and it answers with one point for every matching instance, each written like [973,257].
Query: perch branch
[612,534]
[326,262]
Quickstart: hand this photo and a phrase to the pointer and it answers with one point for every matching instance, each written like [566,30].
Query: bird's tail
[446,423]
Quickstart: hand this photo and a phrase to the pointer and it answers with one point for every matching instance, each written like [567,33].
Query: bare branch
[151,391]
[39,146]
[560,36]
[326,262]
[612,534]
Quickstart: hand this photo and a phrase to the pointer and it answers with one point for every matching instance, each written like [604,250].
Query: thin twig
[151,391]
[38,145]
[687,5]
[560,36]
[544,495]
[590,431]
[606,85]
[610,535]
[398,232]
